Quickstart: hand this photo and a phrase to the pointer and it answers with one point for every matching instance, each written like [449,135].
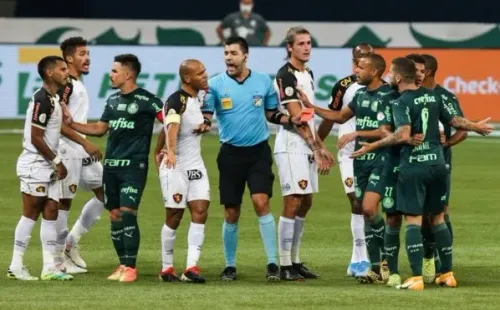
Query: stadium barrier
[477,85]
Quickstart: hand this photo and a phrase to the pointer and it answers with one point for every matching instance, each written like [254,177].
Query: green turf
[326,247]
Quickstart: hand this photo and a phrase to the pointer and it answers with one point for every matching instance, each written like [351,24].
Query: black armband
[276,117]
[207,121]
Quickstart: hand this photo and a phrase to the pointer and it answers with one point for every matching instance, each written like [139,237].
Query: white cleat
[73,254]
[71,268]
[21,274]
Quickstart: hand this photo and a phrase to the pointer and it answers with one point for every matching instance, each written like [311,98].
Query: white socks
[22,237]
[48,236]
[91,213]
[298,232]
[359,252]
[167,246]
[285,237]
[196,236]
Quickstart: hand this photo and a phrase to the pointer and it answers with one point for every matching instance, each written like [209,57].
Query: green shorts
[367,177]
[124,187]
[421,190]
[388,183]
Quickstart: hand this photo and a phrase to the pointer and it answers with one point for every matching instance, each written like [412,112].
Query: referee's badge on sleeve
[226,103]
[257,100]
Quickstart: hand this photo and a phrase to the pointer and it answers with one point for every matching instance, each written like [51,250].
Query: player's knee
[232,214]
[356,206]
[261,204]
[114,215]
[394,220]
[437,219]
[199,216]
[64,204]
[291,205]
[99,194]
[50,210]
[174,217]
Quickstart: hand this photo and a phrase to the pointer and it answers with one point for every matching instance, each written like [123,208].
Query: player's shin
[230,242]
[62,231]
[196,236]
[91,213]
[444,246]
[448,224]
[167,247]
[360,253]
[22,237]
[117,238]
[391,247]
[298,232]
[48,237]
[267,227]
[285,236]
[131,236]
[414,248]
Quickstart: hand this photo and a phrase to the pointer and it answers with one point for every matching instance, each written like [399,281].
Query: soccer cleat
[429,270]
[362,269]
[371,277]
[384,271]
[71,268]
[352,269]
[304,271]
[117,274]
[273,272]
[73,254]
[413,284]
[168,275]
[447,280]
[394,280]
[229,274]
[192,275]
[288,273]
[129,274]
[55,275]
[21,274]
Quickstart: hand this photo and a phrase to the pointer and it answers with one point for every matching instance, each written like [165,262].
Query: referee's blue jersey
[240,107]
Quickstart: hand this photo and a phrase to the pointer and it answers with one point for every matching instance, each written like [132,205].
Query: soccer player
[420,67]
[450,100]
[129,117]
[368,168]
[40,171]
[342,93]
[243,100]
[300,148]
[83,170]
[183,176]
[421,188]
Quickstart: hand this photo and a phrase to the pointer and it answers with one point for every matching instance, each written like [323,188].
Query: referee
[244,101]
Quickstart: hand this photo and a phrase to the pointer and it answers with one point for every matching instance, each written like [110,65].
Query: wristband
[56,161]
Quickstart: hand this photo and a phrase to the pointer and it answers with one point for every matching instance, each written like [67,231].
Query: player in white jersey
[183,176]
[299,154]
[40,170]
[83,171]
[342,93]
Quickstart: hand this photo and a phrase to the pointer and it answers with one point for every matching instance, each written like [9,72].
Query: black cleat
[273,273]
[192,275]
[288,273]
[304,271]
[169,275]
[229,274]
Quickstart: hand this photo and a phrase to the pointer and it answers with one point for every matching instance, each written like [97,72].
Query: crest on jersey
[42,118]
[72,188]
[177,198]
[132,108]
[349,182]
[289,91]
[257,100]
[40,189]
[380,116]
[303,184]
[183,99]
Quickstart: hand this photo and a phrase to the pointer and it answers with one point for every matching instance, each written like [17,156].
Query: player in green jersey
[129,118]
[367,168]
[421,188]
[449,140]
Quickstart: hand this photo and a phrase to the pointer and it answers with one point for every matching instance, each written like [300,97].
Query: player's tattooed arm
[481,127]
[97,129]
[340,117]
[89,147]
[401,135]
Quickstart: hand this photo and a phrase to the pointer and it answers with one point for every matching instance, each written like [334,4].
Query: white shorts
[34,173]
[82,173]
[179,187]
[298,173]
[346,166]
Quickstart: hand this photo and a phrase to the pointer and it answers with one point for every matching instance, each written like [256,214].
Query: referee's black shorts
[240,165]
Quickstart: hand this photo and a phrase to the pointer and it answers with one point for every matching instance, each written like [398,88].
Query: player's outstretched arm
[458,137]
[98,129]
[89,147]
[401,135]
[481,127]
[340,117]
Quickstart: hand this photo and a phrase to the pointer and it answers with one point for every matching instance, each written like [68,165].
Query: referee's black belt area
[246,148]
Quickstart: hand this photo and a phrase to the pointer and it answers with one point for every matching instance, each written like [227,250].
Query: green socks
[414,248]
[131,238]
[391,248]
[117,238]
[444,246]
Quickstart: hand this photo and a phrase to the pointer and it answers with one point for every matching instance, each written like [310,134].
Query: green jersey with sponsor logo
[130,118]
[365,105]
[385,117]
[422,110]
[453,106]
